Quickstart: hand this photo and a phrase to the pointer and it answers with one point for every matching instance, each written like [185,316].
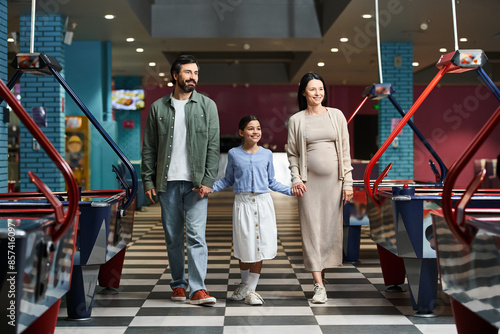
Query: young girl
[250,169]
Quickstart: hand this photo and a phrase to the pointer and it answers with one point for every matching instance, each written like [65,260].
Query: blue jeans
[177,203]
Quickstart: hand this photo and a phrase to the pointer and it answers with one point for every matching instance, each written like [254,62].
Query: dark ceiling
[276,41]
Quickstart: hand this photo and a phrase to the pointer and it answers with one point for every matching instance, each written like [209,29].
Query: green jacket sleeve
[213,147]
[149,151]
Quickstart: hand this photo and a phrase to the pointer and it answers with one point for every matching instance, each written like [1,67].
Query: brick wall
[400,75]
[44,91]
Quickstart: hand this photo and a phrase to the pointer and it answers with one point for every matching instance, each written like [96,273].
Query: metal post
[32,37]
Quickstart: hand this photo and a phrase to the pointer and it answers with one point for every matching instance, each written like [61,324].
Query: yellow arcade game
[77,149]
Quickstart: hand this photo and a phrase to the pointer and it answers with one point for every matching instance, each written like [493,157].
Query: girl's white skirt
[254,227]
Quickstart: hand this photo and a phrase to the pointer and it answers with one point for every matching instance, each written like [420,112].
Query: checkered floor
[357,301]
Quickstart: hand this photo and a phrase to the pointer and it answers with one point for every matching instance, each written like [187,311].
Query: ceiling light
[246,46]
[130,39]
[139,50]
[152,64]
[415,64]
[109,17]
[161,74]
[463,39]
[231,44]
[442,50]
[344,39]
[321,64]
[334,50]
[170,84]
[10,40]
[366,16]
[424,26]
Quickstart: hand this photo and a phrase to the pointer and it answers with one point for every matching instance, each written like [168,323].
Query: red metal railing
[64,219]
[455,216]
[395,132]
[357,109]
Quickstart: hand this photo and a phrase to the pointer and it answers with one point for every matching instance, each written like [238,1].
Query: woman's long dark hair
[301,99]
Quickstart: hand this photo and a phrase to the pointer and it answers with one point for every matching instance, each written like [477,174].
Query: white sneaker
[319,294]
[253,298]
[240,292]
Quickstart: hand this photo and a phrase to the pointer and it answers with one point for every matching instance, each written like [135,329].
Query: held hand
[298,192]
[149,194]
[203,191]
[298,189]
[347,196]
[206,190]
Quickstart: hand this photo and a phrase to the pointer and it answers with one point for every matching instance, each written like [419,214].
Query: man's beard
[185,87]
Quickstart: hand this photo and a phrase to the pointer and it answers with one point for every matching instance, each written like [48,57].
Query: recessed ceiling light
[321,64]
[231,44]
[10,40]
[109,17]
[366,16]
[463,39]
[415,64]
[246,46]
[334,50]
[130,39]
[442,50]
[161,74]
[139,50]
[344,39]
[152,64]
[170,84]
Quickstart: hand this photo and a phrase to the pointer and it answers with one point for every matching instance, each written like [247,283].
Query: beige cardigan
[297,152]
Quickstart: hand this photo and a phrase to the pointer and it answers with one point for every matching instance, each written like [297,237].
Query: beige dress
[320,207]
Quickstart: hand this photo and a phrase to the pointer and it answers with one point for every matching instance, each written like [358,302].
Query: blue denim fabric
[177,202]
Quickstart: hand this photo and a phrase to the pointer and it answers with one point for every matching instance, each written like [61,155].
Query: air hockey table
[107,216]
[38,247]
[470,273]
[468,248]
[406,255]
[102,236]
[355,213]
[402,226]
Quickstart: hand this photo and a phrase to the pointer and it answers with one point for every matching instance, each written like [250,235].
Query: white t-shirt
[179,164]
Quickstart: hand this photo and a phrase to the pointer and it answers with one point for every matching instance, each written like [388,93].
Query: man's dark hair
[181,60]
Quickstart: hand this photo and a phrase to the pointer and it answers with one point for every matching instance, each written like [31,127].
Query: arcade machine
[400,221]
[107,216]
[468,248]
[355,212]
[37,244]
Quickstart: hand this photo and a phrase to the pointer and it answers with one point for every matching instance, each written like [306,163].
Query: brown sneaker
[179,294]
[202,297]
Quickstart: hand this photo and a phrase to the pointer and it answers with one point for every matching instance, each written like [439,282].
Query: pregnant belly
[322,162]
